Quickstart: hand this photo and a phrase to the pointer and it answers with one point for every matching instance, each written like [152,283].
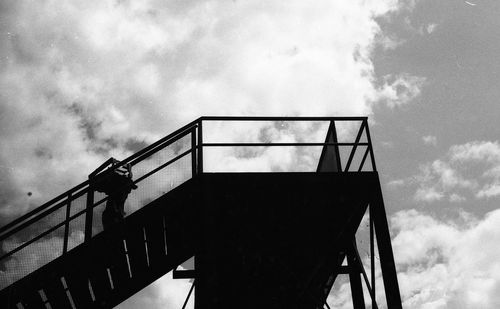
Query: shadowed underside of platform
[272,240]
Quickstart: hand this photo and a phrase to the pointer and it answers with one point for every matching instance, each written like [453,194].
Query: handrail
[147,151]
[42,207]
[135,158]
[280,118]
[194,129]
[280,144]
[86,183]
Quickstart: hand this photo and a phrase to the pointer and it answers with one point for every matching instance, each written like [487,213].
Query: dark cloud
[134,145]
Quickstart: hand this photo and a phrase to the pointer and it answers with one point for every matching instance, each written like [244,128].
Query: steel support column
[386,255]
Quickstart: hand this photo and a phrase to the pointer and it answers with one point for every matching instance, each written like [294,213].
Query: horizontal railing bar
[163,165]
[152,147]
[161,141]
[279,144]
[33,240]
[42,207]
[47,212]
[140,178]
[277,118]
[160,147]
[145,176]
[85,183]
[60,201]
[97,203]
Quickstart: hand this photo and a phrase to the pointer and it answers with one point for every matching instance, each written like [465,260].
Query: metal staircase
[278,236]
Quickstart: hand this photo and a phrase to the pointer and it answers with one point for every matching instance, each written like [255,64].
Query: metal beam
[386,255]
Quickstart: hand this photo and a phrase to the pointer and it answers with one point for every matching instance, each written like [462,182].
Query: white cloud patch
[81,81]
[163,293]
[447,264]
[441,263]
[430,140]
[400,89]
[396,183]
[431,28]
[471,168]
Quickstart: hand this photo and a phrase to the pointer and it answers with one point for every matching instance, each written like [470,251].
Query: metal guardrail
[57,215]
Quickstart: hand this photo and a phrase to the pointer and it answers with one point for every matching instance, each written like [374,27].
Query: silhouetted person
[116,185]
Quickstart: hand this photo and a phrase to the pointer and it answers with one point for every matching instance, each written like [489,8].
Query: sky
[81,81]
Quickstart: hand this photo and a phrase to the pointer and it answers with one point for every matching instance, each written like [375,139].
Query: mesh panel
[100,200]
[78,204]
[77,225]
[76,231]
[158,184]
[31,257]
[162,156]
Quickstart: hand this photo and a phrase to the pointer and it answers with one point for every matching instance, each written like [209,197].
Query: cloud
[163,293]
[81,82]
[447,263]
[430,140]
[438,178]
[468,169]
[396,183]
[431,28]
[400,89]
[441,263]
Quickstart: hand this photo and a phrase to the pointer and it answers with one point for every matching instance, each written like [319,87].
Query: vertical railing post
[200,147]
[353,150]
[66,224]
[194,161]
[89,213]
[385,253]
[370,146]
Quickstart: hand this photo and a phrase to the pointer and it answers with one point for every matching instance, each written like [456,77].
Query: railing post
[66,224]
[370,146]
[200,147]
[353,150]
[193,152]
[89,213]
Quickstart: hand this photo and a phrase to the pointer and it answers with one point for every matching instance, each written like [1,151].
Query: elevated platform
[265,236]
[260,240]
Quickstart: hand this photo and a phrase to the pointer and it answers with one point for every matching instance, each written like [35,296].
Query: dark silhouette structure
[116,182]
[260,240]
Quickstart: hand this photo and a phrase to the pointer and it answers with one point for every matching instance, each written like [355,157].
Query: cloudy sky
[84,80]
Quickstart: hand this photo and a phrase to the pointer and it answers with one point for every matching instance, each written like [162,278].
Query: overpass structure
[278,237]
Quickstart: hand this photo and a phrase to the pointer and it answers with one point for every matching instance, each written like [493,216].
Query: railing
[68,220]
